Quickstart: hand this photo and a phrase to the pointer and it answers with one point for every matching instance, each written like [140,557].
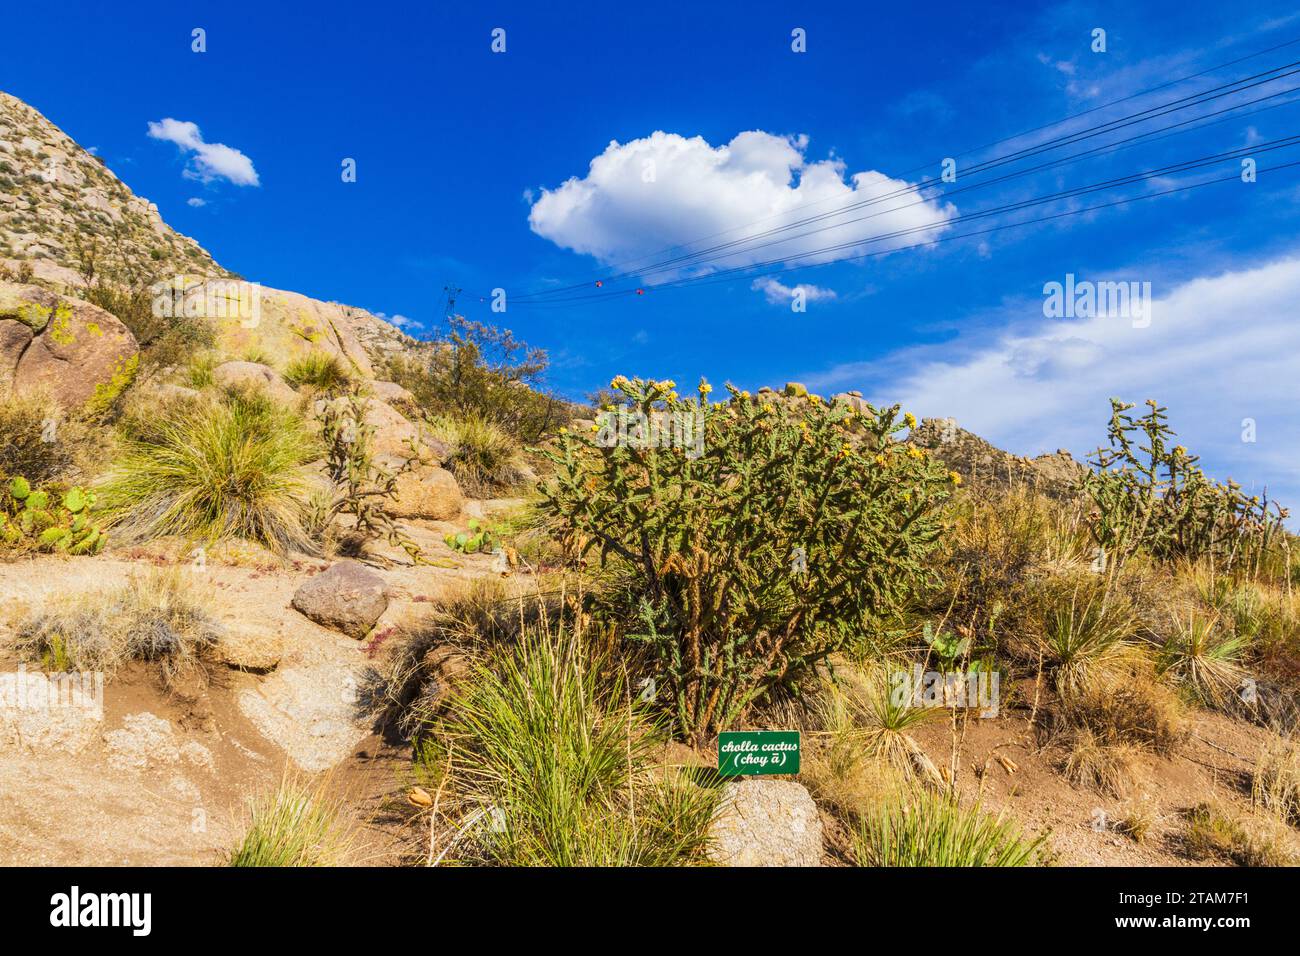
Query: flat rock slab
[309,710]
[766,823]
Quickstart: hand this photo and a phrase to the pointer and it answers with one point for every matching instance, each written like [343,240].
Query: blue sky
[463,156]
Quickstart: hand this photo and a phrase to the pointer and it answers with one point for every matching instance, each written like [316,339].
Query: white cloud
[210,160]
[196,202]
[1218,350]
[640,197]
[401,321]
[778,294]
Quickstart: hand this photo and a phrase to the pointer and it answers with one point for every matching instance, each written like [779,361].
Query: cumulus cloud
[401,321]
[196,202]
[663,189]
[209,160]
[1218,350]
[778,294]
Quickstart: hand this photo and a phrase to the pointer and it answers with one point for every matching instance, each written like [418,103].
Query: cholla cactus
[1150,494]
[706,530]
[48,521]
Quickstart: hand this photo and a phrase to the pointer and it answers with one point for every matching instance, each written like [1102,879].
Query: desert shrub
[1275,783]
[552,759]
[155,617]
[773,535]
[478,371]
[322,371]
[1204,659]
[1152,495]
[297,825]
[227,468]
[1110,766]
[361,489]
[126,289]
[1080,630]
[928,829]
[1135,821]
[41,446]
[1214,833]
[484,458]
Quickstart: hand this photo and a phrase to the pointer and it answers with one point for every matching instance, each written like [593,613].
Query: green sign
[753,752]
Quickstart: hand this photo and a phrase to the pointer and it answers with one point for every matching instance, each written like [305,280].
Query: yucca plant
[228,469]
[551,754]
[927,829]
[1082,634]
[297,825]
[1199,656]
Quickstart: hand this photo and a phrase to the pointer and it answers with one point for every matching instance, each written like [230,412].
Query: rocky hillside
[56,199]
[55,195]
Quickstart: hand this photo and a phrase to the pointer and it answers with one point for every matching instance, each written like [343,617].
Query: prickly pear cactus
[47,521]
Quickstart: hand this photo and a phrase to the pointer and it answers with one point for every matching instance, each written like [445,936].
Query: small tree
[480,371]
[762,534]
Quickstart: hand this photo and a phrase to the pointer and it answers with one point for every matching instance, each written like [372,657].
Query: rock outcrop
[62,347]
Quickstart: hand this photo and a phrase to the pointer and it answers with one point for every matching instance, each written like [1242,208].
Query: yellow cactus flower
[915,452]
[954,477]
[910,420]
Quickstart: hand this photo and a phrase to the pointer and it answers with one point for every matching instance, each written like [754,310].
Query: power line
[727,275]
[1197,99]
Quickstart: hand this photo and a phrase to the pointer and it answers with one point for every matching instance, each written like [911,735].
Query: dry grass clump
[928,829]
[1135,821]
[1111,767]
[214,470]
[157,616]
[38,443]
[485,458]
[1215,833]
[297,825]
[1126,706]
[1275,783]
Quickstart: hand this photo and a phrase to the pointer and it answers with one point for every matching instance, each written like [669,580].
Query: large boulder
[62,347]
[346,597]
[257,375]
[427,492]
[765,822]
